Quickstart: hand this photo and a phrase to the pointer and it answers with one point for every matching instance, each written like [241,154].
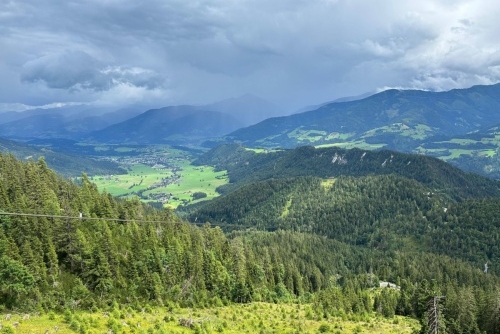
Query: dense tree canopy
[325,241]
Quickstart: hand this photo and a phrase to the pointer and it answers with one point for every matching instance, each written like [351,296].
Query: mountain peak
[247,108]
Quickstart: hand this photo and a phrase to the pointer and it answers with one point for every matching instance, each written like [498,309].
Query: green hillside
[459,126]
[396,119]
[245,166]
[378,212]
[477,152]
[122,256]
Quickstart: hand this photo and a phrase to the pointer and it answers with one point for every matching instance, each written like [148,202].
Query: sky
[292,53]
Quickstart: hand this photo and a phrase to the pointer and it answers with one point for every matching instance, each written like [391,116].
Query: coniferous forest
[329,242]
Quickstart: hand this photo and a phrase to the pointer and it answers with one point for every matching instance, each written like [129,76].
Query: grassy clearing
[339,136]
[464,146]
[186,179]
[310,136]
[286,209]
[450,154]
[328,183]
[241,318]
[419,131]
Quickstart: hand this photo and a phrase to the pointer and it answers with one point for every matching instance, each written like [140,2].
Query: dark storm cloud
[66,71]
[294,52]
[76,70]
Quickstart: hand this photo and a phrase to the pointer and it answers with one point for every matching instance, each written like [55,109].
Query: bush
[198,195]
[8,330]
[324,328]
[74,325]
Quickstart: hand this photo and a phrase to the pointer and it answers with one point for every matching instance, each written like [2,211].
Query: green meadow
[185,180]
[139,177]
[238,318]
[193,179]
[419,131]
[307,135]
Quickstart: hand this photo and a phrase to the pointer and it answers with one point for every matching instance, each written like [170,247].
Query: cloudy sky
[290,52]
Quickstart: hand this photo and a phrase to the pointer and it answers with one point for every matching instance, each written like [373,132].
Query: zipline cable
[112,219]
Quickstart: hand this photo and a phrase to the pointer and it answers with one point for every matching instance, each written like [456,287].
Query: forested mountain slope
[245,166]
[378,212]
[132,255]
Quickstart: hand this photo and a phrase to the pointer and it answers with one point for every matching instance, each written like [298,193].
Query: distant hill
[395,119]
[245,166]
[169,125]
[36,126]
[380,212]
[11,116]
[67,122]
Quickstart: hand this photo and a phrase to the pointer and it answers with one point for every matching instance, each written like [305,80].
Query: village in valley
[161,176]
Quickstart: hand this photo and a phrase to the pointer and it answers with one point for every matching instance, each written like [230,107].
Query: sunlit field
[238,318]
[186,180]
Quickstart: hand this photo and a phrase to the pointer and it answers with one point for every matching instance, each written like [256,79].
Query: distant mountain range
[178,123]
[396,119]
[68,122]
[187,124]
[461,126]
[340,99]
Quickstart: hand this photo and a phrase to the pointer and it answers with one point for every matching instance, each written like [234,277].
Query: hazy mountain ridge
[248,109]
[453,125]
[66,122]
[173,125]
[64,164]
[340,99]
[77,122]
